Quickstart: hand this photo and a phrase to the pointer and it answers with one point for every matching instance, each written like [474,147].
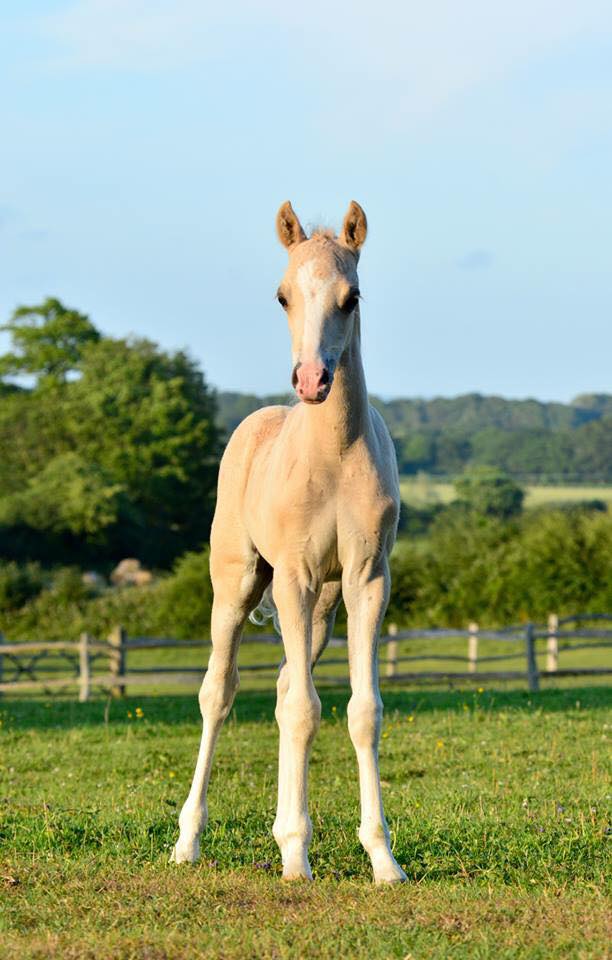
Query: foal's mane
[325,233]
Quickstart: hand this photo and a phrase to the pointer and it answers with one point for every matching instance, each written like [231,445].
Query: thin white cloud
[141,35]
[392,63]
[476,260]
[6,215]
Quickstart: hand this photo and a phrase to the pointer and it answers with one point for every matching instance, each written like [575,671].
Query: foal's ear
[354,228]
[288,227]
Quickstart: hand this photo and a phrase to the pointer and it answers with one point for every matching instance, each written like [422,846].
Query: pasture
[496,803]
[424,491]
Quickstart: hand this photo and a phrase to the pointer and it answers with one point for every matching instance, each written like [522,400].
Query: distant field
[420,492]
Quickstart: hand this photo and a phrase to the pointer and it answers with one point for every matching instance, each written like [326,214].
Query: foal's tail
[266,610]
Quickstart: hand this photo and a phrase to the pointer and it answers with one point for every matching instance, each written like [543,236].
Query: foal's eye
[350,304]
[282,300]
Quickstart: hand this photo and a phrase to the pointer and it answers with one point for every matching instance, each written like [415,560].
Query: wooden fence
[55,666]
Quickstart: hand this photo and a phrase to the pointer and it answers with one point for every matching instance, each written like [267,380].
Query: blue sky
[147,144]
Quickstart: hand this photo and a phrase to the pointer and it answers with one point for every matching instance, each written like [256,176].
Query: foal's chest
[323,512]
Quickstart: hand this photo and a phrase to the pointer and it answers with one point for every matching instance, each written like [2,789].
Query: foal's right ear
[288,227]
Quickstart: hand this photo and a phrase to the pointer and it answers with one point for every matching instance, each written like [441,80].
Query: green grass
[423,491]
[541,495]
[496,803]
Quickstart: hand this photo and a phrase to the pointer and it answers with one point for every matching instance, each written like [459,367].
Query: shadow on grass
[253,706]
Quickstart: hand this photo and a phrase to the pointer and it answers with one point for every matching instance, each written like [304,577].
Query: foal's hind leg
[237,590]
[322,627]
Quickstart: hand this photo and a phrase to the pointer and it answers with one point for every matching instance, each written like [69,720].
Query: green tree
[147,418]
[593,449]
[562,562]
[184,600]
[416,452]
[489,492]
[114,446]
[68,495]
[48,340]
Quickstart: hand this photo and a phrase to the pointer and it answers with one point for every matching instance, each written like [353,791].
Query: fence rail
[87,663]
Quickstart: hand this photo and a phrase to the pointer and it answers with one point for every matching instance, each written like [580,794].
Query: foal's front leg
[366,594]
[323,619]
[298,714]
[236,592]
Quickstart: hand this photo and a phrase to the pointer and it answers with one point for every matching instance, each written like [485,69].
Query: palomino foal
[307,505]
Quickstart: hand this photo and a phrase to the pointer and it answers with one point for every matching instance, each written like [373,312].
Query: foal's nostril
[311,381]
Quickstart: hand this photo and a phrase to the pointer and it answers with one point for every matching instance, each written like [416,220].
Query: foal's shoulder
[261,423]
[380,427]
[385,448]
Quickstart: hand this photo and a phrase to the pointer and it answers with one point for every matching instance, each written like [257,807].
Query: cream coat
[307,511]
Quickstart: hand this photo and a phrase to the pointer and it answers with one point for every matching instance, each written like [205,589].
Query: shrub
[18,584]
[497,572]
[469,567]
[565,563]
[407,583]
[184,600]
[490,492]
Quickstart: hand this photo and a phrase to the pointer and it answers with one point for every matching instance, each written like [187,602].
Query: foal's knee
[282,687]
[218,691]
[299,714]
[364,714]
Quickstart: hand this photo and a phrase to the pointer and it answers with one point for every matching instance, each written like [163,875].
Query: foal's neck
[343,417]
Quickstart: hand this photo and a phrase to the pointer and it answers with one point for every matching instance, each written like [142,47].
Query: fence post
[84,668]
[116,660]
[552,644]
[532,666]
[391,651]
[472,647]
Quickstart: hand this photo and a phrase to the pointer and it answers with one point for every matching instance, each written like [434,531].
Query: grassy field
[496,803]
[423,491]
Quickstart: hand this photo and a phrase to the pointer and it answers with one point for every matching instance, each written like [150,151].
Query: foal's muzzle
[311,381]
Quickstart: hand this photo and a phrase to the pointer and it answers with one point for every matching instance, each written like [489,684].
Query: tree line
[481,558]
[529,439]
[110,448]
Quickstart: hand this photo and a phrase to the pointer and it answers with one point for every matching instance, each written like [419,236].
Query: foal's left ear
[354,228]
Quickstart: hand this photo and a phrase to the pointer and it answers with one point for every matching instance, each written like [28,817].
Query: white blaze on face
[315,291]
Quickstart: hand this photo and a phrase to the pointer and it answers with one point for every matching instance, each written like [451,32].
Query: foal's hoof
[291,876]
[392,873]
[185,853]
[294,854]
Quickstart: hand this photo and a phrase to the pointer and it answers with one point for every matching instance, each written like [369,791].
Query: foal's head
[320,294]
